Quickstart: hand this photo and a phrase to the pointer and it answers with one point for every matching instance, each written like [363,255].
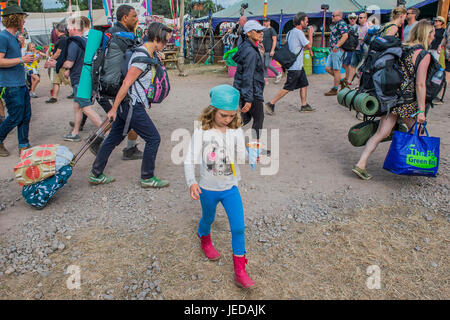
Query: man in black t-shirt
[58,78]
[270,43]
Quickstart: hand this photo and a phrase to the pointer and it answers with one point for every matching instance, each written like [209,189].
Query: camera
[244,5]
[324,7]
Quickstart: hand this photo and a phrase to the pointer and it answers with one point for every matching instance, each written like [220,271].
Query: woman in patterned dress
[414,110]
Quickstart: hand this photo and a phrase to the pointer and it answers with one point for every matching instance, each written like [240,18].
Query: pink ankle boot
[240,275]
[208,247]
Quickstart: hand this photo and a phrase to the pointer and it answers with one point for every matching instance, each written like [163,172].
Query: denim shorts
[348,58]
[358,56]
[81,101]
[335,60]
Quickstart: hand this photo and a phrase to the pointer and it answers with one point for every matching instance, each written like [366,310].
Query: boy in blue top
[12,78]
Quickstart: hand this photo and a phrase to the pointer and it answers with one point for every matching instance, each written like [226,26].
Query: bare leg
[384,130]
[337,77]
[77,119]
[34,82]
[92,115]
[2,108]
[279,95]
[55,90]
[303,95]
[330,71]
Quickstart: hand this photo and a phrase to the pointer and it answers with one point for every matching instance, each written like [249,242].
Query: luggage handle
[105,126]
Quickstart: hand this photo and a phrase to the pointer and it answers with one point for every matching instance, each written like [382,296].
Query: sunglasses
[352,18]
[258,31]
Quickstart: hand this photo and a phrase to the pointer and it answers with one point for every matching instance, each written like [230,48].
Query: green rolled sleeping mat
[340,96]
[359,134]
[93,43]
[366,104]
[349,98]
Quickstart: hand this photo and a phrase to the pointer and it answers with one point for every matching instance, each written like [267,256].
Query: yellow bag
[37,164]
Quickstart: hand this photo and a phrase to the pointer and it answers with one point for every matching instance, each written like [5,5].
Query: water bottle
[438,77]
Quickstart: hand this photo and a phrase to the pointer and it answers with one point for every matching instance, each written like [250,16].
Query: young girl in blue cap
[214,146]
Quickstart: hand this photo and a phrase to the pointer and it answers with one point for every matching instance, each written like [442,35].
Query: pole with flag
[90,13]
[265,8]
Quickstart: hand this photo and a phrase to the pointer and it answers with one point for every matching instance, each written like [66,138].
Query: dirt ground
[321,252]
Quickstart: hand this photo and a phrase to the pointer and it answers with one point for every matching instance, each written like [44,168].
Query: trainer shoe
[307,108]
[270,108]
[437,101]
[154,183]
[344,84]
[33,95]
[51,100]
[72,124]
[95,146]
[333,92]
[72,137]
[3,151]
[71,96]
[132,153]
[278,78]
[22,149]
[101,179]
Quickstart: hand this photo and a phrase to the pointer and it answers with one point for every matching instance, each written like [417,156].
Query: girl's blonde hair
[29,45]
[209,114]
[397,12]
[420,33]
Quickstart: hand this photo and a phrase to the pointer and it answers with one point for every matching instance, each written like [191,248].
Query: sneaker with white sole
[101,179]
[270,108]
[154,182]
[278,78]
[72,137]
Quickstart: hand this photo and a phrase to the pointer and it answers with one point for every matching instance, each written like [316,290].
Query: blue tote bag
[412,154]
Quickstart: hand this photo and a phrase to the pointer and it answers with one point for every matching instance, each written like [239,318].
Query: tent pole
[281,29]
[443,7]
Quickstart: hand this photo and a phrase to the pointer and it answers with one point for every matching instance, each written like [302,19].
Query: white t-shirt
[137,92]
[297,41]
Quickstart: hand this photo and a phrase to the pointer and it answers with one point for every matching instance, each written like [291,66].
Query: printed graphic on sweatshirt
[216,159]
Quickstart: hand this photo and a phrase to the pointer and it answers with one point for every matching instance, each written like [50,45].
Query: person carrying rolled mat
[132,112]
[215,145]
[127,20]
[296,76]
[413,88]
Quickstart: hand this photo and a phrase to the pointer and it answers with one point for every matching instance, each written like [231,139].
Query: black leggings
[257,113]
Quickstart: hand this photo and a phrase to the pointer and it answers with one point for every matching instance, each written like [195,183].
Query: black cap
[13,9]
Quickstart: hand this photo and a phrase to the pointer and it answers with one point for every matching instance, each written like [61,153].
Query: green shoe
[362,173]
[154,183]
[101,179]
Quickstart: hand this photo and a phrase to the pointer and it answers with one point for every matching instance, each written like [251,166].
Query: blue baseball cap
[224,97]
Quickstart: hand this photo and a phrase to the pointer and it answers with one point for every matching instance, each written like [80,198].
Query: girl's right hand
[195,191]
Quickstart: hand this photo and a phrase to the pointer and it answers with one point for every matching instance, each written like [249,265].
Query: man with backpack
[56,58]
[296,77]
[76,45]
[348,56]
[127,21]
[338,36]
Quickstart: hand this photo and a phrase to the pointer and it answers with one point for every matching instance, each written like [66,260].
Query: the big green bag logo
[420,160]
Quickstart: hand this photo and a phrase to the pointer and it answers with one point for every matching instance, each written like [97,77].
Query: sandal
[362,173]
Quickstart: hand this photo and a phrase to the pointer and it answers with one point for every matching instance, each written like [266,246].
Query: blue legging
[232,202]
